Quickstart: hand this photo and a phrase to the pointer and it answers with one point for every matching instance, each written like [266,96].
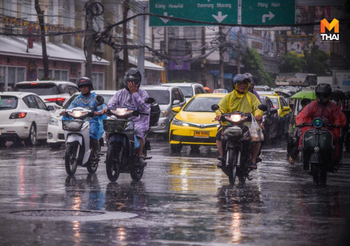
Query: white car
[24,116]
[55,133]
[51,92]
[188,89]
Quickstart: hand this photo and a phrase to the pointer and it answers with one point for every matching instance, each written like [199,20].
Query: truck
[297,79]
[341,78]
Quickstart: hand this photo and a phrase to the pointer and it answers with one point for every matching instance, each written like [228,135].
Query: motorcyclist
[252,85]
[87,99]
[240,99]
[133,96]
[328,111]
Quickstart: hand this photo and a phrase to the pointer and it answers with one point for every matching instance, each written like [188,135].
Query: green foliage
[292,64]
[253,64]
[315,62]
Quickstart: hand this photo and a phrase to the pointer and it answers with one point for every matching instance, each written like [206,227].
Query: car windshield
[201,104]
[187,91]
[162,96]
[8,102]
[38,88]
[105,97]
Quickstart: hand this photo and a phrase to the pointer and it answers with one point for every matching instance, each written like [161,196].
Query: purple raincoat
[124,98]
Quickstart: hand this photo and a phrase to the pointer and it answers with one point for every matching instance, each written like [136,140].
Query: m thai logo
[333,30]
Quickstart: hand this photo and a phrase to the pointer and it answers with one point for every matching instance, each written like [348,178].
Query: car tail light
[18,115]
[61,99]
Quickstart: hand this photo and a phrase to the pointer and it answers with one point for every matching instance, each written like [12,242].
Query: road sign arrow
[219,17]
[165,20]
[270,15]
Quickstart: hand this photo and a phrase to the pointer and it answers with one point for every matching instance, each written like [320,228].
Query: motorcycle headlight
[235,117]
[179,123]
[122,111]
[53,121]
[77,113]
[317,122]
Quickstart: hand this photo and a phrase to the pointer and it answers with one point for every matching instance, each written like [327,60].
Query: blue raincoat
[96,122]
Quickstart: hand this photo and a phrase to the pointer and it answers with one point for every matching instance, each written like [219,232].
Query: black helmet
[240,78]
[323,92]
[252,78]
[85,81]
[132,75]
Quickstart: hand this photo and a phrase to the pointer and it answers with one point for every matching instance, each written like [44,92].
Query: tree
[316,62]
[291,63]
[253,64]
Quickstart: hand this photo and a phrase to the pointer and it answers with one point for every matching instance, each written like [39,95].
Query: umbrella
[304,94]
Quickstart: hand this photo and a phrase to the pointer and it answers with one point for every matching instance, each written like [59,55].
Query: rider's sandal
[253,166]
[219,165]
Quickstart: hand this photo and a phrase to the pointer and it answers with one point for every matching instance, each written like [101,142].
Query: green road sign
[268,12]
[217,11]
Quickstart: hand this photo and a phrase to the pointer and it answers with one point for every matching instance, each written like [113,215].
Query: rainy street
[182,199]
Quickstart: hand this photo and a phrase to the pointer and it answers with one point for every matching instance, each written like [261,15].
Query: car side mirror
[99,100]
[176,102]
[262,107]
[286,108]
[214,107]
[51,108]
[176,109]
[150,100]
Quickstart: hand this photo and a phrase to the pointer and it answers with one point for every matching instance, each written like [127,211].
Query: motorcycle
[122,143]
[317,151]
[236,144]
[77,136]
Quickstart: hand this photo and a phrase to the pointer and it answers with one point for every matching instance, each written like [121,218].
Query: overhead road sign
[248,12]
[268,12]
[217,11]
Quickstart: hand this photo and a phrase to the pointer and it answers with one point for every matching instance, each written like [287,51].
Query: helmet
[252,78]
[85,81]
[132,75]
[323,92]
[240,78]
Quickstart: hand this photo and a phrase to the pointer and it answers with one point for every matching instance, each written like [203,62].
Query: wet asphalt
[182,199]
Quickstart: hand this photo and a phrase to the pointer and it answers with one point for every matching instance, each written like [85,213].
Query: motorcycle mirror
[150,100]
[214,107]
[262,107]
[100,100]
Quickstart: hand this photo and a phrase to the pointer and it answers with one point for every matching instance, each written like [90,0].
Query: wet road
[181,200]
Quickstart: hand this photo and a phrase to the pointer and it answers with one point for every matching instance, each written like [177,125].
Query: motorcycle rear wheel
[113,161]
[136,173]
[71,162]
[231,157]
[319,175]
[92,166]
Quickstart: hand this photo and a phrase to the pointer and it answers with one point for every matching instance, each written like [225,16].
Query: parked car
[55,133]
[50,91]
[188,89]
[24,116]
[284,112]
[194,123]
[167,97]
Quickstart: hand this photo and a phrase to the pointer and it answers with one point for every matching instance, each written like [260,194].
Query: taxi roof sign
[220,91]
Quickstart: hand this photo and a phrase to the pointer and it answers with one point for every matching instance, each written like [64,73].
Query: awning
[11,46]
[148,65]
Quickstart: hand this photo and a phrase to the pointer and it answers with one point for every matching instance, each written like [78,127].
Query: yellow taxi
[194,124]
[284,111]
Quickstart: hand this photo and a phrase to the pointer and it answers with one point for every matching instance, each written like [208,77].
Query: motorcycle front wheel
[113,161]
[319,175]
[231,156]
[71,162]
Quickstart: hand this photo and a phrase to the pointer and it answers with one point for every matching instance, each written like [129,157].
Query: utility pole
[221,52]
[239,51]
[141,51]
[89,40]
[125,38]
[43,39]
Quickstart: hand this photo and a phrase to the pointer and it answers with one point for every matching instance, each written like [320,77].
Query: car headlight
[179,123]
[53,121]
[164,113]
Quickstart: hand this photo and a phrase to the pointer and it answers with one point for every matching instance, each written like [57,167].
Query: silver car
[188,89]
[167,97]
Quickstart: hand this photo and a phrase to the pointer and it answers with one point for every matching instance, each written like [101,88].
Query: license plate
[200,134]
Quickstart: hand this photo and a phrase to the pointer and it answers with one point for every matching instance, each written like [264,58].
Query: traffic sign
[268,12]
[217,11]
